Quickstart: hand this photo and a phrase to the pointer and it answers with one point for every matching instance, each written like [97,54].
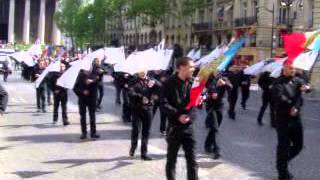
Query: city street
[31,147]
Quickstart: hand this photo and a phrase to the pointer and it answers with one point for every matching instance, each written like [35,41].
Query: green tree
[66,18]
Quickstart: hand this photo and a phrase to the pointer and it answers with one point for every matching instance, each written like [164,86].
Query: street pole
[272,31]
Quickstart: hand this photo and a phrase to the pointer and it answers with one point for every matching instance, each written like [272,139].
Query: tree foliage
[84,21]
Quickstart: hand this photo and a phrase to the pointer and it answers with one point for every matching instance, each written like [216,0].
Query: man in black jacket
[99,72]
[287,96]
[234,75]
[160,77]
[265,83]
[245,89]
[41,90]
[3,100]
[141,101]
[175,97]
[216,88]
[86,90]
[6,70]
[60,96]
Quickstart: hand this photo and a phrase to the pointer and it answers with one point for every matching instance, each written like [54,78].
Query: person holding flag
[287,97]
[99,72]
[141,100]
[216,88]
[86,88]
[41,89]
[60,95]
[175,97]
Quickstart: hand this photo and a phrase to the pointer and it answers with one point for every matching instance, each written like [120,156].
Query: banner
[218,51]
[143,61]
[230,53]
[25,57]
[257,68]
[305,61]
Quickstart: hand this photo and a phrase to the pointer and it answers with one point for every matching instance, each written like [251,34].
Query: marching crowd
[143,94]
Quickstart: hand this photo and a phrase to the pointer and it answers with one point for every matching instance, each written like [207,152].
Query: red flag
[294,45]
[195,94]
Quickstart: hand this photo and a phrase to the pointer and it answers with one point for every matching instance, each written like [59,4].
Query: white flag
[53,67]
[306,60]
[145,61]
[69,78]
[25,57]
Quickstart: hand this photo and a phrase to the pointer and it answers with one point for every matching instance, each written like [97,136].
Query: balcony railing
[196,27]
[222,24]
[285,21]
[247,21]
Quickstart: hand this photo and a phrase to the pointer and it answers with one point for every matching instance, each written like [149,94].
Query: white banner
[69,78]
[306,60]
[53,67]
[23,57]
[145,61]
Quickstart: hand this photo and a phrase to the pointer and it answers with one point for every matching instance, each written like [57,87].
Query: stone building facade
[25,21]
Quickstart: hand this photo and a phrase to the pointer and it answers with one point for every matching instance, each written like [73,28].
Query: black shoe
[83,136]
[146,158]
[163,133]
[260,123]
[49,103]
[216,156]
[66,123]
[131,153]
[44,111]
[208,150]
[286,177]
[232,116]
[95,136]
[38,110]
[54,122]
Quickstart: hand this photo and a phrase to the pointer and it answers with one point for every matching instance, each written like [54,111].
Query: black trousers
[5,76]
[142,120]
[266,100]
[176,138]
[49,92]
[290,142]
[41,97]
[163,118]
[90,104]
[58,99]
[232,99]
[245,94]
[3,99]
[214,119]
[126,108]
[100,94]
[118,92]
